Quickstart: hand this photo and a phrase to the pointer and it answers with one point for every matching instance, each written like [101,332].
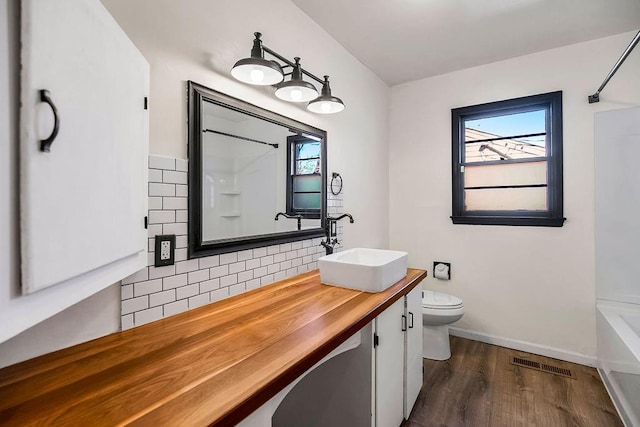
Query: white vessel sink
[369,270]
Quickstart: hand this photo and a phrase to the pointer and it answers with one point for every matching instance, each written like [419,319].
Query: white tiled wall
[153,293]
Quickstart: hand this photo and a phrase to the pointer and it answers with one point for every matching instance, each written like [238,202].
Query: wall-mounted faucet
[331,232]
[298,217]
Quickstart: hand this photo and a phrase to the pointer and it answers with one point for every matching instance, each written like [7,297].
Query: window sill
[504,220]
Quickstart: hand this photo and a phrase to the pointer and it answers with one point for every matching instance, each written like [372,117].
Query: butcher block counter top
[213,365]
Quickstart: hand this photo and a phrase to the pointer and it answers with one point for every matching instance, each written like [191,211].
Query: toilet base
[435,342]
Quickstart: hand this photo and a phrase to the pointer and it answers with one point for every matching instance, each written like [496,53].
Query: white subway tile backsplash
[253,263]
[175,307]
[175,228]
[156,190]
[187,291]
[161,162]
[252,284]
[135,304]
[210,261]
[245,255]
[182,242]
[181,190]
[245,275]
[173,177]
[223,270]
[237,289]
[155,175]
[198,300]
[182,216]
[148,287]
[155,203]
[209,285]
[153,293]
[126,322]
[229,280]
[174,203]
[219,294]
[126,291]
[259,252]
[162,298]
[228,258]
[181,165]
[158,272]
[236,267]
[161,217]
[198,276]
[265,280]
[174,281]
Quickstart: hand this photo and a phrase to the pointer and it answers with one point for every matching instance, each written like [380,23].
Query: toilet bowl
[438,311]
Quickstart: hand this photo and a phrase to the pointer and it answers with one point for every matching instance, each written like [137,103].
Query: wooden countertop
[213,365]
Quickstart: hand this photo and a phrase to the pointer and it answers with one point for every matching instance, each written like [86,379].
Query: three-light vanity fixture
[256,70]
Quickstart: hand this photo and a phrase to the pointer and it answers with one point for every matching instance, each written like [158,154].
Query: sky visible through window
[513,124]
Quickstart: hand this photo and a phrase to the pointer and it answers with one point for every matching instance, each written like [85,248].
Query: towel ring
[334,179]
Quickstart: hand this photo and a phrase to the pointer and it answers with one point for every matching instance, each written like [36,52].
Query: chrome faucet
[298,217]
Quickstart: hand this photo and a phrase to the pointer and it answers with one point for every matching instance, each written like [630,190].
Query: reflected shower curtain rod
[244,138]
[596,96]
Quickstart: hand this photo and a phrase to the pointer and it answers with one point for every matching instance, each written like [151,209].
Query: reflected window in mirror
[247,165]
[304,177]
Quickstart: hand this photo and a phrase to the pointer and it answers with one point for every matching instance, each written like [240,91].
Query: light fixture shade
[326,103]
[296,90]
[256,70]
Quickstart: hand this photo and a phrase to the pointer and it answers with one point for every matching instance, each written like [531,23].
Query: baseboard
[525,346]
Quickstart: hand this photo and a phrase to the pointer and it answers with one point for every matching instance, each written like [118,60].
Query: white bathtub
[619,356]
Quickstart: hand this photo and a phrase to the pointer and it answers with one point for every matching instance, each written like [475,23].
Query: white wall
[200,40]
[201,43]
[521,283]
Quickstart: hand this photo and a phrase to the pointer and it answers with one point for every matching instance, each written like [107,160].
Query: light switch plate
[165,250]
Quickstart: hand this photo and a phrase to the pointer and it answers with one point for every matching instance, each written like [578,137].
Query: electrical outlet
[165,250]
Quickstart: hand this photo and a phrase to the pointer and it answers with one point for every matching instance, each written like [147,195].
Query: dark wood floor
[479,387]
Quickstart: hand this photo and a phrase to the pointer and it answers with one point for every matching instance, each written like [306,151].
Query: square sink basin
[362,269]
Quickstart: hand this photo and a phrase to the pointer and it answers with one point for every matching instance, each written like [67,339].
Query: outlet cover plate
[165,250]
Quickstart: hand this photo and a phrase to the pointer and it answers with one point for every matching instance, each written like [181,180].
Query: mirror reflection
[256,178]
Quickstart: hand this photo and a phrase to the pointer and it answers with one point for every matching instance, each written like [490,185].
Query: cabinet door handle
[404,323]
[410,320]
[45,144]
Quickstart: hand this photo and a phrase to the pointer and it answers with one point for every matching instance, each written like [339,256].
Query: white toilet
[438,311]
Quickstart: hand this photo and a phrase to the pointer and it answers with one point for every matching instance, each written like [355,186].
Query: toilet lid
[433,299]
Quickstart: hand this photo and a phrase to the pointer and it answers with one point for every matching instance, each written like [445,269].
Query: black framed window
[507,162]
[304,178]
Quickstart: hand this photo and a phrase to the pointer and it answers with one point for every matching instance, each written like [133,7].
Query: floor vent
[543,367]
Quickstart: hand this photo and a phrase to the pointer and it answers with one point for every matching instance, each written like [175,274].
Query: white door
[390,366]
[83,203]
[413,353]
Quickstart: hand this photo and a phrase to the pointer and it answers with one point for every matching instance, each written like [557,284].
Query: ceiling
[405,40]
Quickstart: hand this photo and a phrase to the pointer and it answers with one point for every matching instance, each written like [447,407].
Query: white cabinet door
[413,352]
[83,203]
[390,366]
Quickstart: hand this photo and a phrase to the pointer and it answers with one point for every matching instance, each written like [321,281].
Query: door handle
[404,323]
[410,320]
[45,144]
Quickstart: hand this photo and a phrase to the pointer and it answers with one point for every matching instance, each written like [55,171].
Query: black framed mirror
[256,178]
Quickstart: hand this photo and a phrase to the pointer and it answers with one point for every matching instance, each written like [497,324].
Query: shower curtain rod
[240,137]
[596,96]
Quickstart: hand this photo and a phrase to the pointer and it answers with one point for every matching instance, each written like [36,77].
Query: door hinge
[376,340]
[146,222]
[146,103]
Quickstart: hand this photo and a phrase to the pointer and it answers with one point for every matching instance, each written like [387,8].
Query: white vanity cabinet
[83,154]
[398,359]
